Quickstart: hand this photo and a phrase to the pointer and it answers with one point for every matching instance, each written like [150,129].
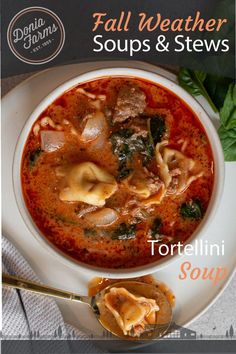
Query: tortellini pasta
[132,313]
[175,169]
[88,183]
[157,197]
[148,187]
[137,184]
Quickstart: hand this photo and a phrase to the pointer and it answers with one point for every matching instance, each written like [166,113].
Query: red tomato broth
[58,221]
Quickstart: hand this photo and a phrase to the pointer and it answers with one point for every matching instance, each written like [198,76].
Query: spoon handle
[22,284]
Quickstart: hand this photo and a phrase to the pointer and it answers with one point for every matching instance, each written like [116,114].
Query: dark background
[76,16]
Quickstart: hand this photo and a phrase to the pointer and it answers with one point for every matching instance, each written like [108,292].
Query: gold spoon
[104,316]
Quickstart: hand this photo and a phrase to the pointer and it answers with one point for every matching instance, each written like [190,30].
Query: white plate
[192,297]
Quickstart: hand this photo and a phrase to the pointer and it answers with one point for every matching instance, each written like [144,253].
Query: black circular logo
[36,35]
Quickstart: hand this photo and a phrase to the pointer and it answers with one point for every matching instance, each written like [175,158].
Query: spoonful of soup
[128,309]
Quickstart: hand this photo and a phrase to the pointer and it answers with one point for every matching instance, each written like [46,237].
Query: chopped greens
[121,148]
[90,232]
[125,143]
[155,228]
[156,129]
[191,209]
[33,157]
[124,232]
[124,172]
[124,133]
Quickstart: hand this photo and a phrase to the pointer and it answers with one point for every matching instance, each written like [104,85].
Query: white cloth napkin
[30,316]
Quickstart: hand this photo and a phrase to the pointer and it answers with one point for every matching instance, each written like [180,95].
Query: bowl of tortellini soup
[112,160]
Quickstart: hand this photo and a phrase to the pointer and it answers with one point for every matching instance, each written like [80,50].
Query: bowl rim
[193,105]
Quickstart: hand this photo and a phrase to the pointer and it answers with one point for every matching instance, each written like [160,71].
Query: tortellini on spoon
[131,312]
[88,183]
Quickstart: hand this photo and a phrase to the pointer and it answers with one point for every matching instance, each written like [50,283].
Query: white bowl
[195,107]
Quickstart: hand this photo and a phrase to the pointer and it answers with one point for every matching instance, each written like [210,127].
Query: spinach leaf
[124,172]
[156,129]
[124,232]
[121,148]
[125,143]
[90,232]
[191,209]
[228,141]
[217,88]
[124,146]
[221,95]
[227,130]
[33,157]
[192,81]
[155,228]
[228,111]
[144,147]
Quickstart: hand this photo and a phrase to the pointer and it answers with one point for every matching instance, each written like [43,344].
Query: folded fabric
[30,316]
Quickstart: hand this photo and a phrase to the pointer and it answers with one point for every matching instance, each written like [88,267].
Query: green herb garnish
[124,172]
[121,148]
[124,232]
[33,157]
[125,144]
[155,228]
[142,146]
[191,209]
[90,232]
[146,146]
[156,129]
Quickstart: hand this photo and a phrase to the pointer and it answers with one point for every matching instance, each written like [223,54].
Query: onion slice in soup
[102,217]
[51,140]
[95,126]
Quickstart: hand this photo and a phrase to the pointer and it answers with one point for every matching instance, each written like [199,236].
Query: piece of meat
[131,101]
[138,126]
